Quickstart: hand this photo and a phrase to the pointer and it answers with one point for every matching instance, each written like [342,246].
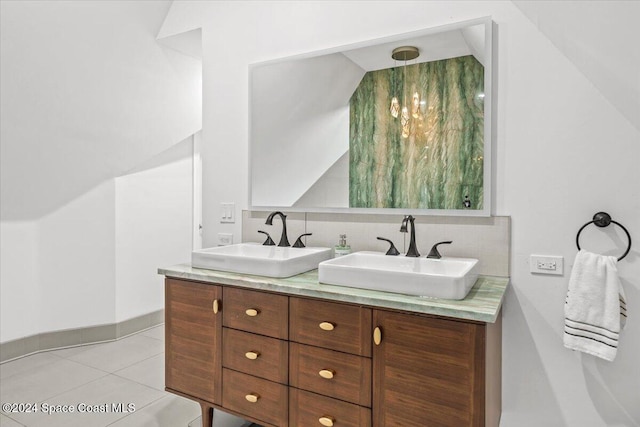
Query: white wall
[563,153]
[18,279]
[87,94]
[76,262]
[94,261]
[153,228]
[594,40]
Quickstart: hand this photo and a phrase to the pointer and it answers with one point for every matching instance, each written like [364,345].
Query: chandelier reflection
[406,53]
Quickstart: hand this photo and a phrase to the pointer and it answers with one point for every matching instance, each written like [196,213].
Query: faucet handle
[298,243]
[392,249]
[269,241]
[433,253]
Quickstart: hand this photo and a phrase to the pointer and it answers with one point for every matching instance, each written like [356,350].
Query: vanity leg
[207,415]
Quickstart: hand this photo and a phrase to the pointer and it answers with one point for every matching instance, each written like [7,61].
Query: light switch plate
[228,212]
[546,264]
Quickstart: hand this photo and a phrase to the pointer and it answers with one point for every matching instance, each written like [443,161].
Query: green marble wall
[441,161]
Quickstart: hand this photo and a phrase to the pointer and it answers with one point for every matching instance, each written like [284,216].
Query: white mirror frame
[488,185]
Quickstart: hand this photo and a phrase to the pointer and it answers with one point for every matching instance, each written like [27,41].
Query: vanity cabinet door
[193,331]
[427,371]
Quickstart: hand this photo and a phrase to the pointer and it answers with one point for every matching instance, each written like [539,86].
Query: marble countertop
[481,304]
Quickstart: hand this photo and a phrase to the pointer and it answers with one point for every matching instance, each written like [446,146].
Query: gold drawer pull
[253,355]
[251,312]
[377,336]
[327,326]
[216,306]
[326,373]
[253,398]
[326,421]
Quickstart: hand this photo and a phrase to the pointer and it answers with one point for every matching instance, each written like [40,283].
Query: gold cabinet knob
[377,335]
[251,312]
[253,355]
[326,421]
[216,306]
[327,326]
[326,373]
[252,397]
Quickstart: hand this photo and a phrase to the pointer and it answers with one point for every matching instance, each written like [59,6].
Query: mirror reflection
[366,129]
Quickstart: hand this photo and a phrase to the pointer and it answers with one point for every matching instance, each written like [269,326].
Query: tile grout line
[138,410]
[18,373]
[102,372]
[72,389]
[14,420]
[134,364]
[93,381]
[106,373]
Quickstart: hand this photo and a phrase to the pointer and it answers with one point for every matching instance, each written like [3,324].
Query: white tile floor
[128,371]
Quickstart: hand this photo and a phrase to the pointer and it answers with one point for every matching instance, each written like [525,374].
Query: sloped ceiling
[87,93]
[601,39]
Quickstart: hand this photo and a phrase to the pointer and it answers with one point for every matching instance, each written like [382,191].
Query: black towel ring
[603,219]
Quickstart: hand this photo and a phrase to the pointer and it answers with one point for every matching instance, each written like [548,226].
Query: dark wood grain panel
[193,335]
[307,408]
[352,331]
[273,312]
[272,360]
[351,374]
[428,371]
[272,403]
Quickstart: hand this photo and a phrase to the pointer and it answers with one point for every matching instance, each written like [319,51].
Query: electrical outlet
[225,239]
[546,264]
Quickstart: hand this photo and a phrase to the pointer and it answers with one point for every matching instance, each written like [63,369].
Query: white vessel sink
[254,258]
[449,278]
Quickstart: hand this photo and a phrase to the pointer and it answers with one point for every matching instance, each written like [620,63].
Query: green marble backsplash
[441,161]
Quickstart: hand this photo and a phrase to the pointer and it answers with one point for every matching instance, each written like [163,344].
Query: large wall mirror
[401,123]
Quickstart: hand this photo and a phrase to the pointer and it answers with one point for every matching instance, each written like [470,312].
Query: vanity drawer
[256,355]
[258,312]
[331,325]
[255,397]
[331,373]
[311,410]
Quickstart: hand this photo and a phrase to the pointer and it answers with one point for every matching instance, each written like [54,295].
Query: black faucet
[433,253]
[269,241]
[392,248]
[284,241]
[299,243]
[413,250]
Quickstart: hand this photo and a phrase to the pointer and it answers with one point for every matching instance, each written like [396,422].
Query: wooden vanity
[282,359]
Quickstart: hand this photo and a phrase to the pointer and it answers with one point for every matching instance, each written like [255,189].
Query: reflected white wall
[300,124]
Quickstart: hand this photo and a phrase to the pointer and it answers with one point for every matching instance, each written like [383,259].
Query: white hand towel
[595,308]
